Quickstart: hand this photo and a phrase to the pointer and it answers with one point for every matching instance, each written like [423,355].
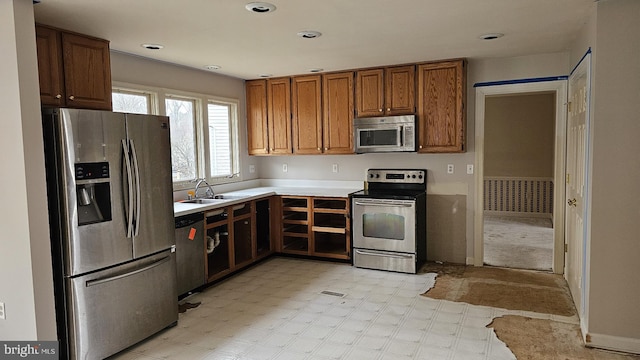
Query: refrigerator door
[92,237]
[150,145]
[115,308]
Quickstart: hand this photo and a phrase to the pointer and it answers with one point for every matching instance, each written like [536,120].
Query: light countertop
[241,196]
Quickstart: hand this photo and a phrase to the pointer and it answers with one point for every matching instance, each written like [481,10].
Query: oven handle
[383,254]
[382,204]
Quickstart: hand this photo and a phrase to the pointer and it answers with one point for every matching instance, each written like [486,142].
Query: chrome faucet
[208,194]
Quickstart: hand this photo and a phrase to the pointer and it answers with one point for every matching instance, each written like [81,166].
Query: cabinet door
[87,72]
[441,93]
[370,93]
[400,90]
[337,100]
[279,115]
[307,115]
[257,140]
[50,66]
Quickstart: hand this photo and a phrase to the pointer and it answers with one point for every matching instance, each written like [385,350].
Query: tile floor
[276,310]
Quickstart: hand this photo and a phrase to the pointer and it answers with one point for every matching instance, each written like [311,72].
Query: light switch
[252,169]
[334,168]
[285,168]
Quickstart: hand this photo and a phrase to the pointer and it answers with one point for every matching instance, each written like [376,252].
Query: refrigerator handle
[137,185]
[120,276]
[129,209]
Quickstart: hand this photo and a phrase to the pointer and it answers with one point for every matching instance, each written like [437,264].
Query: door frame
[526,86]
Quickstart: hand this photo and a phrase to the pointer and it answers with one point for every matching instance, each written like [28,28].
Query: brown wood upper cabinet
[74,69]
[387,91]
[337,104]
[323,113]
[307,114]
[441,117]
[269,116]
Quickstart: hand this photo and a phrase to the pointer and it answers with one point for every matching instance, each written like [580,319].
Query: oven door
[384,224]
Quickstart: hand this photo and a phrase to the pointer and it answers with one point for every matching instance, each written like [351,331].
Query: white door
[577,130]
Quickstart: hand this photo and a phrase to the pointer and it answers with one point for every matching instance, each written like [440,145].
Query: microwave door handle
[400,132]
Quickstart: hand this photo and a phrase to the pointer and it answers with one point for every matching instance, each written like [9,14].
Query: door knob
[58,96]
[72,97]
[571,202]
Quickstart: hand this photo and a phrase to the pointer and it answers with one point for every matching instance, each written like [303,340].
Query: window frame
[157,106]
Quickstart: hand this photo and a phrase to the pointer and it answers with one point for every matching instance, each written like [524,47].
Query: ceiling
[355,33]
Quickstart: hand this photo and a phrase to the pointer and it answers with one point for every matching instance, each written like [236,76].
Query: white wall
[25,260]
[615,246]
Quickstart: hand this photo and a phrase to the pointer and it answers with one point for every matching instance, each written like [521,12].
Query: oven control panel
[402,176]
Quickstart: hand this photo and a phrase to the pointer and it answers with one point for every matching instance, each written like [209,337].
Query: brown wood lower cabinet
[315,226]
[237,236]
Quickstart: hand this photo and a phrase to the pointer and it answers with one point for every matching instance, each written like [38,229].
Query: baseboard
[614,343]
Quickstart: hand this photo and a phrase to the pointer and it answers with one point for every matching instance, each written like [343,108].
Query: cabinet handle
[380,110]
[388,109]
[420,146]
[319,149]
[72,97]
[325,149]
[58,96]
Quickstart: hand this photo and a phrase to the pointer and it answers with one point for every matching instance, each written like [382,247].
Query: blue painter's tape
[521,81]
[579,62]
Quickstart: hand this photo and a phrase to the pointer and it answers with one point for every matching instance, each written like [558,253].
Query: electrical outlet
[334,168]
[2,313]
[252,169]
[450,169]
[469,169]
[285,168]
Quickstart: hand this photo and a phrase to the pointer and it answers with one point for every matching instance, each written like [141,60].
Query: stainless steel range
[389,220]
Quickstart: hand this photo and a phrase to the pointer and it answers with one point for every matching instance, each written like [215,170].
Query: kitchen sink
[202,201]
[228,197]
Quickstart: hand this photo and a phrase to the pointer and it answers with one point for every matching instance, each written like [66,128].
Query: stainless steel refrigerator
[112,228]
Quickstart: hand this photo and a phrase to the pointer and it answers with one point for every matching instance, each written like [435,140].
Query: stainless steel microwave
[384,134]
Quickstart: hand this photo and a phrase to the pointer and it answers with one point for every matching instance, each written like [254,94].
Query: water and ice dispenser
[93,192]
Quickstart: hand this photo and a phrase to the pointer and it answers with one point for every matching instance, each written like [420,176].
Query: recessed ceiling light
[260,7]
[316,70]
[152,46]
[309,34]
[265,75]
[212,67]
[491,36]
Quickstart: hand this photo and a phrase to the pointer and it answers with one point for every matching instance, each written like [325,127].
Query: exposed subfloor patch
[511,289]
[543,339]
[518,242]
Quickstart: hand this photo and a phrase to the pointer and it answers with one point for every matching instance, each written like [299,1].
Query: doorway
[518,180]
[557,89]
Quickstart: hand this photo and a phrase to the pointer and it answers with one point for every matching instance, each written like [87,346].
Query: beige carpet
[518,242]
[539,339]
[502,288]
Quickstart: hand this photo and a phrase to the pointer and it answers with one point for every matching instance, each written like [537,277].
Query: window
[182,123]
[204,131]
[221,159]
[131,102]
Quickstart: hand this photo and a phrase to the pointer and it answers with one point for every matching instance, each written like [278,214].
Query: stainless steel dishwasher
[190,252]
